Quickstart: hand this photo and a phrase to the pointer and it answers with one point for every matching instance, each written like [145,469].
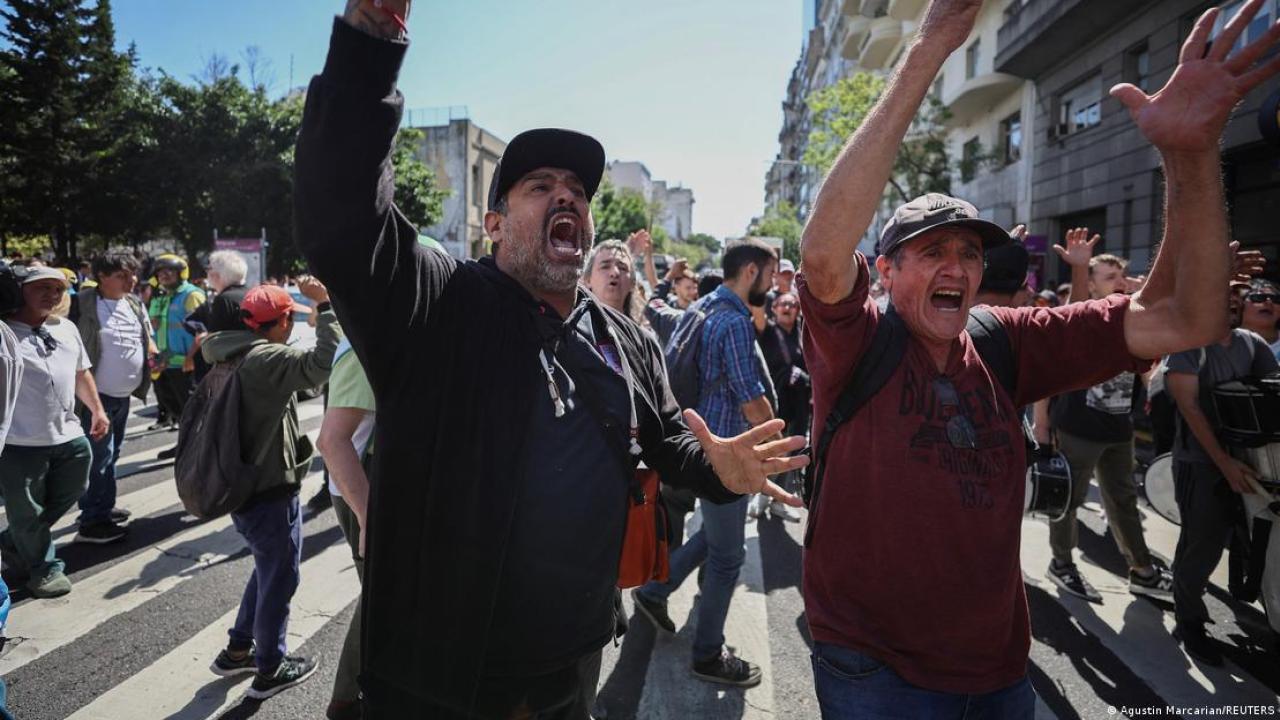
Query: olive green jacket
[269,377]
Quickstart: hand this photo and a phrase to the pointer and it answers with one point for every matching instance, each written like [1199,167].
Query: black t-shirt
[1101,413]
[555,556]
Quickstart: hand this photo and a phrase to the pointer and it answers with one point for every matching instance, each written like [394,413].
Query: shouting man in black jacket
[512,408]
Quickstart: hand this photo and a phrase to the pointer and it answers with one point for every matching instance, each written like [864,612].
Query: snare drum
[1159,488]
[1249,410]
[1048,488]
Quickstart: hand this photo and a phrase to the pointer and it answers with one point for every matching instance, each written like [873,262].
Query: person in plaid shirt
[734,396]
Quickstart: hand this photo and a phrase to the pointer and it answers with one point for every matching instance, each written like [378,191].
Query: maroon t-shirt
[914,554]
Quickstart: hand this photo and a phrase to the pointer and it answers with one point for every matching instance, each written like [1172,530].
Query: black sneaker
[101,533]
[321,501]
[169,454]
[120,515]
[1068,578]
[291,671]
[655,611]
[727,669]
[228,666]
[1198,644]
[1158,585]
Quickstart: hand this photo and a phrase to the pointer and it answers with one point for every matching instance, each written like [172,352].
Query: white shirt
[10,378]
[123,358]
[46,410]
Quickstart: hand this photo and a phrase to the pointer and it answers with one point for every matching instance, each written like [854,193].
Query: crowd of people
[490,465]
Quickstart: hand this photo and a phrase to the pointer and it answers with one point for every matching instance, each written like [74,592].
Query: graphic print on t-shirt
[960,432]
[1115,396]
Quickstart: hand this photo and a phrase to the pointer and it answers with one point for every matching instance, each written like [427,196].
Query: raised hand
[949,22]
[1019,233]
[744,463]
[379,18]
[313,289]
[640,242]
[1246,264]
[1189,113]
[677,269]
[1079,247]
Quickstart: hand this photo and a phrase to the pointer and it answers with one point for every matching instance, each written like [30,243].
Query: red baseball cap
[268,303]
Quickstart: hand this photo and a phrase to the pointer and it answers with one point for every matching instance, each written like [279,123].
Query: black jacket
[451,352]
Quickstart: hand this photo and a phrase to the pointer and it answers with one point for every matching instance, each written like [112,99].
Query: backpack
[211,475]
[883,356]
[684,357]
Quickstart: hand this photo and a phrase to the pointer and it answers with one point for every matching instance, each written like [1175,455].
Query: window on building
[1011,138]
[971,59]
[1137,66]
[969,160]
[1080,107]
[477,182]
[1263,20]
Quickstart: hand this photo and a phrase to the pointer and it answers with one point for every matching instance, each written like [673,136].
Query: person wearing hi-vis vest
[172,300]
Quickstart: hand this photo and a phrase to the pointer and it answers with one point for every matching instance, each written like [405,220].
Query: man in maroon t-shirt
[912,583]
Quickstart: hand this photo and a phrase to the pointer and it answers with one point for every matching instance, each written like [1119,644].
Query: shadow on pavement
[1108,676]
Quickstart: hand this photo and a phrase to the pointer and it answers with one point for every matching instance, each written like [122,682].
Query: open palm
[1189,113]
[744,463]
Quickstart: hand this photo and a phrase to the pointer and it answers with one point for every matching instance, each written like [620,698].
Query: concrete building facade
[674,203]
[1038,138]
[1092,166]
[463,156]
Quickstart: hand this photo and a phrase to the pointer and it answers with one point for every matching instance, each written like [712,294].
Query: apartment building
[1092,166]
[463,156]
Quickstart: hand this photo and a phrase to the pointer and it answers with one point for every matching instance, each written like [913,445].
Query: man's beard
[529,262]
[758,296]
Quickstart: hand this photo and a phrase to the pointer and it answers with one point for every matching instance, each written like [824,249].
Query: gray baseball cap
[933,211]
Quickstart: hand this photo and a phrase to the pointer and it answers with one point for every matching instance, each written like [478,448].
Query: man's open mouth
[563,234]
[947,300]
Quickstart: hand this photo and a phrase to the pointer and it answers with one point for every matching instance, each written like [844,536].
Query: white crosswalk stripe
[172,679]
[178,687]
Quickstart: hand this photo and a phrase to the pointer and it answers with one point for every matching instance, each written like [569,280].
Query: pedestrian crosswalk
[146,617]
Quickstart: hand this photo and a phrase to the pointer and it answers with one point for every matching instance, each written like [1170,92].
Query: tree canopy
[95,152]
[922,164]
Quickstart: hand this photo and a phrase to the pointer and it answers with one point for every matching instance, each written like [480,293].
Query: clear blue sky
[692,88]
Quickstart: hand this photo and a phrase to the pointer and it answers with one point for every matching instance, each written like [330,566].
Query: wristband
[324,306]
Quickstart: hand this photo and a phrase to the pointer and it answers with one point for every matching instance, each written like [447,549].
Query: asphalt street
[135,637]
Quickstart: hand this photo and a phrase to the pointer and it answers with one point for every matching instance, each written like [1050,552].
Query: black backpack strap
[992,344]
[883,356]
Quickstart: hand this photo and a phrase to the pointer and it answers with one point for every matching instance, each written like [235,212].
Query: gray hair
[229,265]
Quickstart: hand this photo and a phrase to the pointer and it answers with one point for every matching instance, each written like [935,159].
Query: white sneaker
[757,505]
[782,511]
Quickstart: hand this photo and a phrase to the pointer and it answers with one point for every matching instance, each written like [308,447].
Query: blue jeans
[273,531]
[853,686]
[100,498]
[720,544]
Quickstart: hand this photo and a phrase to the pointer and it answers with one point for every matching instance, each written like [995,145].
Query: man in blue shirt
[733,398]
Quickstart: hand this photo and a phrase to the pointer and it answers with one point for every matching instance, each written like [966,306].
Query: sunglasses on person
[1261,297]
[786,304]
[960,431]
[50,343]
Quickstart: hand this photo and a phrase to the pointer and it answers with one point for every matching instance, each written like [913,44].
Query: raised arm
[1076,251]
[1183,303]
[347,226]
[848,197]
